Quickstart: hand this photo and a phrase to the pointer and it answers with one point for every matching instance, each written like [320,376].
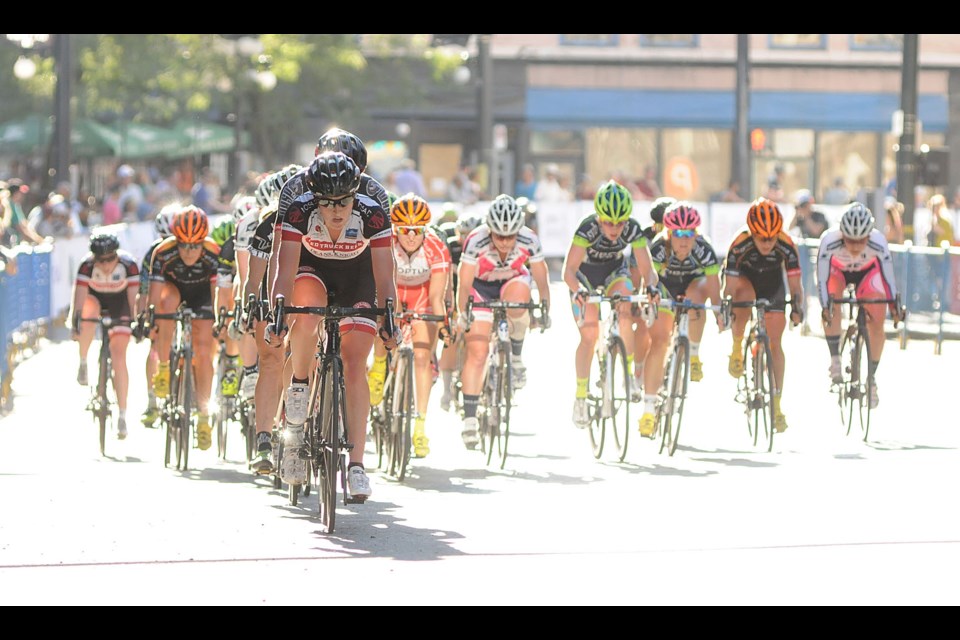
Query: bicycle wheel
[171,414]
[616,393]
[850,389]
[248,421]
[185,402]
[676,394]
[102,403]
[388,410]
[764,384]
[598,426]
[402,419]
[501,429]
[328,445]
[865,386]
[487,411]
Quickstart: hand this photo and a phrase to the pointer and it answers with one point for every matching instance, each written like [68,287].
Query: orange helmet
[410,211]
[764,218]
[190,225]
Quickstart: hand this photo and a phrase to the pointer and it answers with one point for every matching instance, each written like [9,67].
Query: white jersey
[833,254]
[479,250]
[245,230]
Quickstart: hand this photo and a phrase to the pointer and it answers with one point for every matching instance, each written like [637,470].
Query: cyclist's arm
[731,285]
[256,268]
[571,264]
[384,270]
[541,276]
[288,261]
[133,293]
[80,292]
[713,285]
[438,291]
[645,264]
[465,276]
[823,271]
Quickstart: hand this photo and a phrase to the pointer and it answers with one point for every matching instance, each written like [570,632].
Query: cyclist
[688,269]
[759,257]
[269,387]
[224,235]
[246,215]
[335,249]
[110,276]
[162,226]
[492,267]
[184,269]
[641,334]
[423,268]
[595,260]
[448,357]
[856,253]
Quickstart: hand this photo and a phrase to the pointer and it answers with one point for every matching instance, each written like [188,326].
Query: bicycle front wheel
[764,384]
[865,381]
[328,444]
[102,403]
[677,391]
[186,403]
[506,401]
[402,420]
[598,425]
[616,395]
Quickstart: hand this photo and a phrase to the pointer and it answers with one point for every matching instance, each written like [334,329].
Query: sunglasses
[683,233]
[500,238]
[340,202]
[189,246]
[608,223]
[109,258]
[410,230]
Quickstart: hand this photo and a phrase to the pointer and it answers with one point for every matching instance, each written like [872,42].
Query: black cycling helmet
[102,244]
[333,175]
[345,142]
[660,205]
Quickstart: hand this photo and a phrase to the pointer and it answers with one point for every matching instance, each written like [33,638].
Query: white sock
[649,403]
[694,349]
[122,414]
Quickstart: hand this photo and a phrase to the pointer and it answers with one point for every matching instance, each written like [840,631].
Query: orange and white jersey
[414,270]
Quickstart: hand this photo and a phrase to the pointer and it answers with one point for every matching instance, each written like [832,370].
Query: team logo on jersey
[352,233]
[376,220]
[295,216]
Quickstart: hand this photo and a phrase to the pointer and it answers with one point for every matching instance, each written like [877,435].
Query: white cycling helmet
[243,206]
[468,223]
[165,217]
[505,217]
[856,222]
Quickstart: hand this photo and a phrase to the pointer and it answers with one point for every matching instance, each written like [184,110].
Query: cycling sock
[250,370]
[776,402]
[379,363]
[300,380]
[833,343]
[470,403]
[354,464]
[582,384]
[122,414]
[872,368]
[516,346]
[737,344]
[151,398]
[694,349]
[630,362]
[649,403]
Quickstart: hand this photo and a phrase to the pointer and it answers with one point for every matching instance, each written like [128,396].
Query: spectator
[65,189]
[19,228]
[462,189]
[527,184]
[775,190]
[206,193]
[52,218]
[893,228]
[586,188]
[837,194]
[408,179]
[129,189]
[549,189]
[941,228]
[647,185]
[731,194]
[111,206]
[810,222]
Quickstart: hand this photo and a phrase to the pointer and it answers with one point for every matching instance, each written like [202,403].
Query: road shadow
[659,470]
[111,458]
[905,446]
[739,462]
[217,474]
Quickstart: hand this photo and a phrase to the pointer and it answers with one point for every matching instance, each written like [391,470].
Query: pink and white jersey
[116,280]
[479,250]
[415,270]
[834,255]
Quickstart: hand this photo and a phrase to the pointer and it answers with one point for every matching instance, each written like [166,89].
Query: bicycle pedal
[351,500]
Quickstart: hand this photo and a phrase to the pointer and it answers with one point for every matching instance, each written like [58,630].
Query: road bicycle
[326,447]
[392,420]
[676,372]
[496,398]
[176,410]
[233,408]
[854,392]
[610,387]
[103,395]
[755,388]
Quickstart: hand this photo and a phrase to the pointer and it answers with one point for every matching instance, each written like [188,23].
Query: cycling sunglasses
[683,233]
[339,202]
[189,246]
[109,258]
[501,238]
[411,230]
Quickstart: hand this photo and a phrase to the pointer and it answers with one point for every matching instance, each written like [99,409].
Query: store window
[590,39]
[798,41]
[877,41]
[696,162]
[621,154]
[669,39]
[556,143]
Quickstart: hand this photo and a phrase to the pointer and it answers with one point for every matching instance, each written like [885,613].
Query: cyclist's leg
[119,340]
[660,334]
[873,287]
[740,289]
[836,283]
[696,292]
[203,349]
[641,335]
[169,301]
[357,340]
[88,330]
[517,290]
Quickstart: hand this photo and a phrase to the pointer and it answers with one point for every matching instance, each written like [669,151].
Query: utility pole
[485,82]
[907,154]
[741,132]
[61,123]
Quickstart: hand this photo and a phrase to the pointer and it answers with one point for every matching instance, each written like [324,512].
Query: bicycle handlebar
[331,312]
[502,304]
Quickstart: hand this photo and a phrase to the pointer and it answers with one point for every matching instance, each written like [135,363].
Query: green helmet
[224,231]
[613,202]
[391,198]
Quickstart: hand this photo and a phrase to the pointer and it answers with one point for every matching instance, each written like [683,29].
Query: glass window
[621,154]
[793,143]
[668,39]
[847,162]
[877,41]
[888,165]
[696,162]
[590,39]
[556,142]
[798,41]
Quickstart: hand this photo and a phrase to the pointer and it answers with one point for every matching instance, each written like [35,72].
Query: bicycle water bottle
[503,331]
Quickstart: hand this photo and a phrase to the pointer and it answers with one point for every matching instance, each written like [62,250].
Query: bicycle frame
[100,403]
[757,386]
[175,411]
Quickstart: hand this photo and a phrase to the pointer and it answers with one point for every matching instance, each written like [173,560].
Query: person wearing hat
[811,223]
[19,228]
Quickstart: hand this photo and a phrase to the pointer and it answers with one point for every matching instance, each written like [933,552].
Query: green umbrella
[24,136]
[206,137]
[138,140]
